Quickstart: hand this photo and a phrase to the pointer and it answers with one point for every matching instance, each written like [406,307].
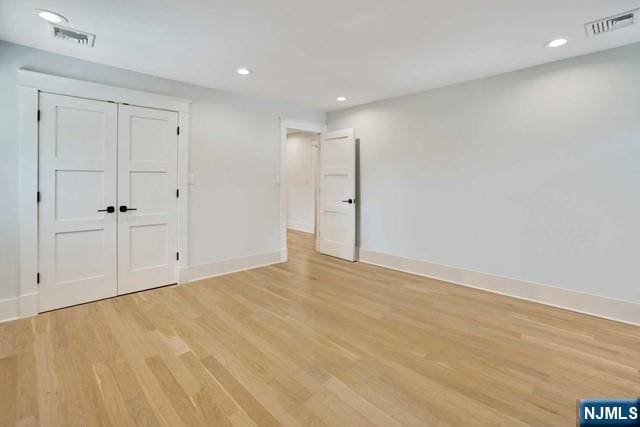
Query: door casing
[31,83]
[320,128]
[285,125]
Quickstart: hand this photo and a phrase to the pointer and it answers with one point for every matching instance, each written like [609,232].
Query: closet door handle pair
[111,209]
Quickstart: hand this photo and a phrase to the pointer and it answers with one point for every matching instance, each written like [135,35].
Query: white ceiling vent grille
[611,23]
[76,36]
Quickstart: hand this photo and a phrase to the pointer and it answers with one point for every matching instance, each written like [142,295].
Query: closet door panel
[147,203]
[77,183]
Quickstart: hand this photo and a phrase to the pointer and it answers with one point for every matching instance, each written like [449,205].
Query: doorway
[301,185]
[318,172]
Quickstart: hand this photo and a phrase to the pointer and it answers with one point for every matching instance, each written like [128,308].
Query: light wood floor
[316,341]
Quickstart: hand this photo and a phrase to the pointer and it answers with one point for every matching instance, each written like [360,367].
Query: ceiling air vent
[611,23]
[76,36]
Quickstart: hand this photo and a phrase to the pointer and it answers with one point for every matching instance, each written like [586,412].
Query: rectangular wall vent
[611,23]
[76,36]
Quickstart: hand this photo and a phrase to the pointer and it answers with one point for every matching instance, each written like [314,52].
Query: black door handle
[125,209]
[110,209]
[350,201]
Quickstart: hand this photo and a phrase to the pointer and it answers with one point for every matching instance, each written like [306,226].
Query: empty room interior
[340,213]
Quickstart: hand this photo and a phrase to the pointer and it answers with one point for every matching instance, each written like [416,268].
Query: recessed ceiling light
[49,16]
[557,43]
[341,99]
[244,71]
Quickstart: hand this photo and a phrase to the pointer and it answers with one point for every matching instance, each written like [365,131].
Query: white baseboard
[183,275]
[608,308]
[9,309]
[219,268]
[28,305]
[301,226]
[20,307]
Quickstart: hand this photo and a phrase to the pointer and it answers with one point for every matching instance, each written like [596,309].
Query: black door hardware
[110,209]
[125,209]
[350,201]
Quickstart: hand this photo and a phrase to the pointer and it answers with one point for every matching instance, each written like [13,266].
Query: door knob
[350,201]
[109,209]
[126,209]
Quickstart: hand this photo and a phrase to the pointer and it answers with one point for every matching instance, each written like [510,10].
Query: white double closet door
[108,200]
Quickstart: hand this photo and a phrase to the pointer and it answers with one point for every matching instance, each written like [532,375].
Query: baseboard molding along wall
[9,309]
[608,308]
[301,226]
[219,268]
[28,305]
[23,306]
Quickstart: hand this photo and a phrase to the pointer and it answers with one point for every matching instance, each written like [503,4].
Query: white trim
[301,226]
[28,304]
[286,124]
[608,308]
[84,89]
[183,200]
[183,275]
[233,265]
[30,83]
[302,125]
[28,110]
[8,309]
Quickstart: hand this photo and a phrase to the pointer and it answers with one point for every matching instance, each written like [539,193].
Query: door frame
[285,125]
[30,84]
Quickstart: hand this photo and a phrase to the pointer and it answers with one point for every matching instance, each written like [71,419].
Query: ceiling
[309,52]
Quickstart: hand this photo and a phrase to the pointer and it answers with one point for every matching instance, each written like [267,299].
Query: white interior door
[147,198]
[337,234]
[77,168]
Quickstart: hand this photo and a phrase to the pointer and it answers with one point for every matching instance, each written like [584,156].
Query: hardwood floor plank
[357,402]
[9,388]
[180,400]
[244,397]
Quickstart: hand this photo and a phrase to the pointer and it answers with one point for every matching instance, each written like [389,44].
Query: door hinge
[177,256]
[38,197]
[177,193]
[38,278]
[38,115]
[178,130]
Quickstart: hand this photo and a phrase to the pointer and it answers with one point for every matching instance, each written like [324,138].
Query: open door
[337,231]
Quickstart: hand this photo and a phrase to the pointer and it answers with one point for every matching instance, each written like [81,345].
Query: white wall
[533,175]
[234,154]
[300,181]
